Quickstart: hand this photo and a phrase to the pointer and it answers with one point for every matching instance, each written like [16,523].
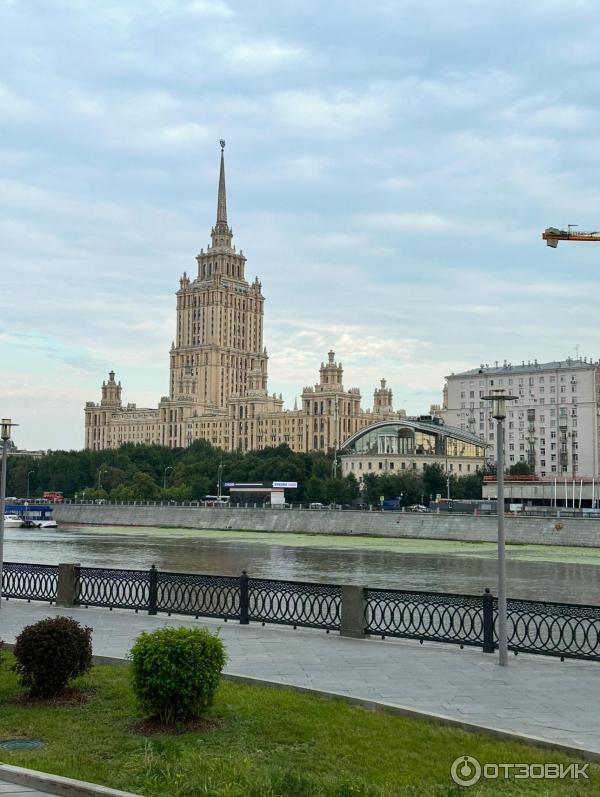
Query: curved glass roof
[431,427]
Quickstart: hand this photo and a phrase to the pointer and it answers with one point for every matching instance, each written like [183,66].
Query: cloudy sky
[390,168]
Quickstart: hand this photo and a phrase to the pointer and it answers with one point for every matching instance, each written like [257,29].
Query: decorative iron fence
[116,589]
[198,595]
[30,582]
[294,603]
[432,616]
[541,627]
[553,629]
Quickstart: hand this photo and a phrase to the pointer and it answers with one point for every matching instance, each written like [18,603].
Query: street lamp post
[5,428]
[100,472]
[165,471]
[499,399]
[219,479]
[29,472]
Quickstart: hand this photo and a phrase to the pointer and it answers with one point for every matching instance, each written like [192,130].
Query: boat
[29,515]
[32,523]
[12,522]
[47,524]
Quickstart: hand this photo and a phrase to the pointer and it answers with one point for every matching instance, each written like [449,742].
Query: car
[418,508]
[316,505]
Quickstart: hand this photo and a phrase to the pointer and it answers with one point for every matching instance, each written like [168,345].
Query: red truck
[53,496]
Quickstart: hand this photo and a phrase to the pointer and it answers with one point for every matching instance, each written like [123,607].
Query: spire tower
[221,225]
[221,233]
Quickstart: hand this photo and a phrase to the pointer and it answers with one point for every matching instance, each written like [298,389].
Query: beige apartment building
[553,425]
[218,373]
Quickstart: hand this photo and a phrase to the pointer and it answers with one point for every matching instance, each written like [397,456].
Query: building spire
[222,199]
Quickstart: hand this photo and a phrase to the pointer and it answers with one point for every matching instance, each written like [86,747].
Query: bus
[214,500]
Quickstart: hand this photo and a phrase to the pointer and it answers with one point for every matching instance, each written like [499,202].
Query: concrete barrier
[471,528]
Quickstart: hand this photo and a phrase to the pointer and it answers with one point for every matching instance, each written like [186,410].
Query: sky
[390,169]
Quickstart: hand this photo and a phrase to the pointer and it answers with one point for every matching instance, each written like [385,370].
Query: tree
[122,493]
[434,480]
[351,488]
[371,488]
[468,486]
[176,493]
[314,490]
[520,469]
[143,487]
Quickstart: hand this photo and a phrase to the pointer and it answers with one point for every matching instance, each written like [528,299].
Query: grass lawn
[272,743]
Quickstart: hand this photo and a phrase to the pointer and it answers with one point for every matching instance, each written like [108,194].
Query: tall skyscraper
[218,372]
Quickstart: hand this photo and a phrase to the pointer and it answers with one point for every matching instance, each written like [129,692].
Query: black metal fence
[29,581]
[432,616]
[541,627]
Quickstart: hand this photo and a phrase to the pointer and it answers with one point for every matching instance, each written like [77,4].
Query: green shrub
[50,653]
[176,671]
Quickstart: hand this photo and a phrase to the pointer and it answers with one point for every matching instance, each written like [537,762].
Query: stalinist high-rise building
[218,372]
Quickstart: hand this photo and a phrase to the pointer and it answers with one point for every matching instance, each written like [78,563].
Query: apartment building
[553,423]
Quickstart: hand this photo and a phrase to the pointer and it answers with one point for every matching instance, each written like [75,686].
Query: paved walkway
[536,695]
[11,789]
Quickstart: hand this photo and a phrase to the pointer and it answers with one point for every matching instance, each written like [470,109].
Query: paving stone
[8,789]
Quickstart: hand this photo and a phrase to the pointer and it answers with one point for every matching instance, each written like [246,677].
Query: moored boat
[12,522]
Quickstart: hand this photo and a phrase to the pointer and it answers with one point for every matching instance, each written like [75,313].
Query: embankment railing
[540,627]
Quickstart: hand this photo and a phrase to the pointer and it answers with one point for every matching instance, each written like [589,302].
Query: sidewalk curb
[55,784]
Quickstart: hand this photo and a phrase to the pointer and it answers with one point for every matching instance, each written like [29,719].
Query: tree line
[139,472]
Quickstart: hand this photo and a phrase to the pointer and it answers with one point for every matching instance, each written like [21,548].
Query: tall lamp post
[219,479]
[29,472]
[101,470]
[165,471]
[5,427]
[499,399]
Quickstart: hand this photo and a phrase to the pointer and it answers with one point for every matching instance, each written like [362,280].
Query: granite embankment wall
[544,531]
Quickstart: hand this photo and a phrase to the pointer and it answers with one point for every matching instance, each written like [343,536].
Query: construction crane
[552,235]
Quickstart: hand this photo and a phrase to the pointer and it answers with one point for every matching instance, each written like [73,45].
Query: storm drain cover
[21,744]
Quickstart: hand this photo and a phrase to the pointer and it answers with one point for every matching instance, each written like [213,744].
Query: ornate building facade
[218,373]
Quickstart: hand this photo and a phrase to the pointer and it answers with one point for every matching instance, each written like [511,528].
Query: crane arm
[552,236]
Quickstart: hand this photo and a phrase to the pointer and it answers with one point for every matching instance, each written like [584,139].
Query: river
[537,572]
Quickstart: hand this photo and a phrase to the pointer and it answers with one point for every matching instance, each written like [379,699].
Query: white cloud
[15,108]
[262,55]
[209,8]
[340,112]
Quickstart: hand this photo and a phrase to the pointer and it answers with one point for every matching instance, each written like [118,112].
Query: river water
[537,572]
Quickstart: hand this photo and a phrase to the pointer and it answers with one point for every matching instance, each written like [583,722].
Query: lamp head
[5,426]
[499,399]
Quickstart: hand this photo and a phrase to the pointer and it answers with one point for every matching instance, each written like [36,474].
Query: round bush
[176,672]
[52,652]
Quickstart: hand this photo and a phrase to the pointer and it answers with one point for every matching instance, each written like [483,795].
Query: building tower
[98,416]
[382,399]
[332,413]
[111,392]
[219,338]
